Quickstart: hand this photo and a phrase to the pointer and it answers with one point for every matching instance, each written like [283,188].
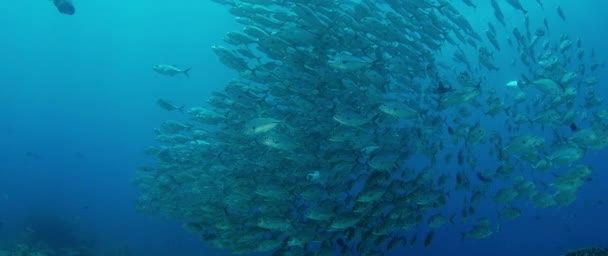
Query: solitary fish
[429,238]
[170,70]
[65,6]
[560,12]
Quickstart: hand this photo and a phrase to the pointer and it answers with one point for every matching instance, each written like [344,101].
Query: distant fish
[429,238]
[341,242]
[573,127]
[469,3]
[346,62]
[483,177]
[169,106]
[517,5]
[33,155]
[65,6]
[560,12]
[540,3]
[170,70]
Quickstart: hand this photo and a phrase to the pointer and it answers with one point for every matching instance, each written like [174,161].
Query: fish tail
[186,72]
[181,109]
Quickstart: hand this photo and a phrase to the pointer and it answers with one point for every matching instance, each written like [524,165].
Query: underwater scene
[303,127]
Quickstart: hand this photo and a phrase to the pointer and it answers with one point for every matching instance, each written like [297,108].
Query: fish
[346,62]
[170,70]
[169,106]
[560,12]
[438,220]
[469,3]
[260,125]
[510,213]
[33,155]
[429,238]
[540,3]
[65,6]
[350,118]
[517,5]
[548,86]
[480,230]
[399,110]
[483,177]
[498,12]
[279,141]
[513,83]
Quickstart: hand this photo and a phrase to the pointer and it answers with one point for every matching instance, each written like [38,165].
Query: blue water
[78,91]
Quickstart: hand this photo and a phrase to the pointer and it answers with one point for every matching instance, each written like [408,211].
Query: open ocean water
[79,105]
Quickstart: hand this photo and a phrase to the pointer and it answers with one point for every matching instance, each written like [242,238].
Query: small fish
[450,130]
[429,239]
[260,125]
[517,5]
[540,3]
[65,6]
[350,118]
[341,243]
[414,239]
[168,105]
[483,177]
[170,70]
[346,62]
[399,110]
[513,83]
[469,3]
[560,12]
[33,155]
[278,141]
[573,127]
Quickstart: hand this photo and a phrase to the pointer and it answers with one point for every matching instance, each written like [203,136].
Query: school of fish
[345,129]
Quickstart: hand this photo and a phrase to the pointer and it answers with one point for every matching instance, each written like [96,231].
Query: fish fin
[186,72]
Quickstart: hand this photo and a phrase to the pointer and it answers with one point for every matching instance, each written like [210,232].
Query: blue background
[79,91]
